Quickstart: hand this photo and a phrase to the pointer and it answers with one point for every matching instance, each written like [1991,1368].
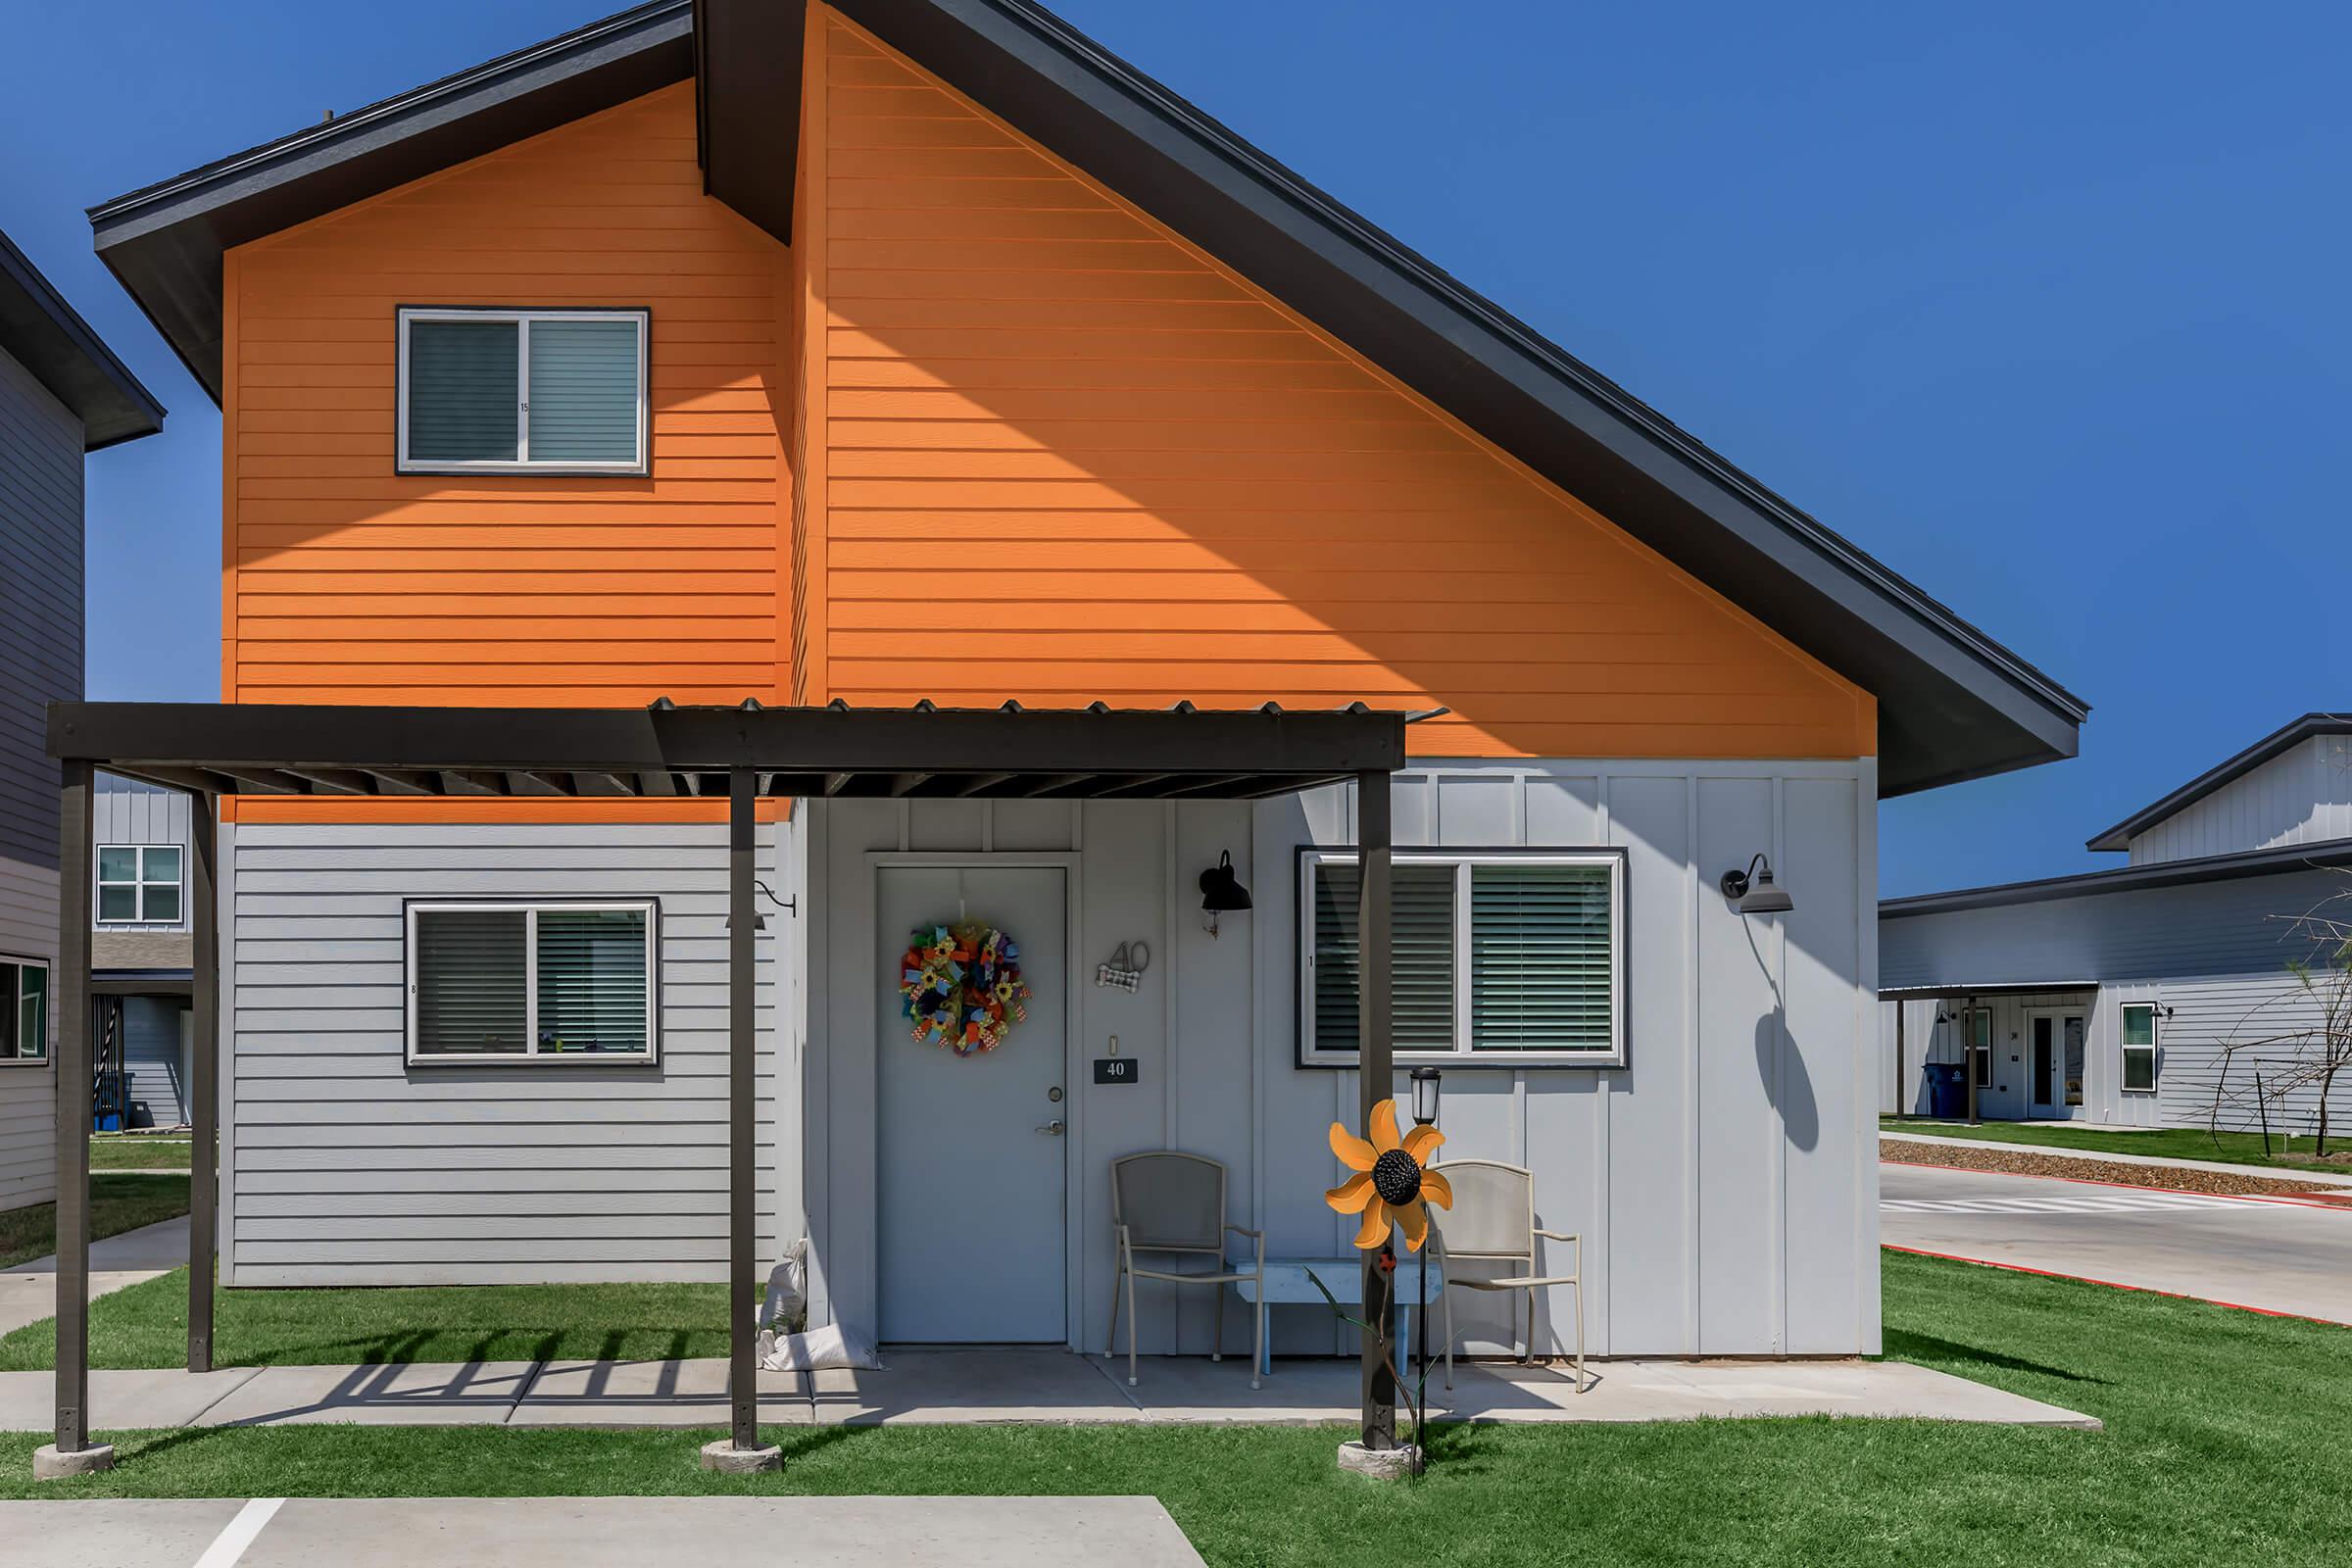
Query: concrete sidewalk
[960,1387]
[29,1291]
[2280,1173]
[595,1532]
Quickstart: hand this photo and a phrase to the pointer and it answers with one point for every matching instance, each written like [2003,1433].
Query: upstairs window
[537,982]
[508,391]
[1498,958]
[139,883]
[24,1011]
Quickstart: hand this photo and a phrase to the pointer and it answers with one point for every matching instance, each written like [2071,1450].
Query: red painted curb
[2337,1205]
[2086,1279]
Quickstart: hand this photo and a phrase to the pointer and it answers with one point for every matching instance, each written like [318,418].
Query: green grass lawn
[2224,1444]
[138,1152]
[117,1204]
[147,1325]
[2165,1143]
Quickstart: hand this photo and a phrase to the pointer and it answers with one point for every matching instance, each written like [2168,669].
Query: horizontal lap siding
[347,1165]
[353,584]
[1068,456]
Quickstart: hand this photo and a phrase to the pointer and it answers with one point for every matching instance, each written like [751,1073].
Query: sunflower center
[1397,1177]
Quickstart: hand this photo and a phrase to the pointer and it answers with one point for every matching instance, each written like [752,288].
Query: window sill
[7,1062]
[1468,1060]
[522,471]
[545,1059]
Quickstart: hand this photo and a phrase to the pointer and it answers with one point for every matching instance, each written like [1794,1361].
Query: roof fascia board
[42,331]
[2276,743]
[2125,879]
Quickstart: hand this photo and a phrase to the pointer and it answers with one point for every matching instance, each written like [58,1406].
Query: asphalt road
[2279,1257]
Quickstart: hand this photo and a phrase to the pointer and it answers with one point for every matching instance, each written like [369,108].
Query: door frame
[1069,862]
[2058,1109]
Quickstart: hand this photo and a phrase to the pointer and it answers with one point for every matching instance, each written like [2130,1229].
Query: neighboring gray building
[140,949]
[62,394]
[2114,996]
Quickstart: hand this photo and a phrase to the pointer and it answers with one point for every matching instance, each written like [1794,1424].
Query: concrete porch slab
[120,1532]
[942,1387]
[474,1394]
[625,1394]
[162,1396]
[1687,1391]
[1193,1389]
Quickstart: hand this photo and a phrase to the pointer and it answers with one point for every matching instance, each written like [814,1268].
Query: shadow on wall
[1781,1065]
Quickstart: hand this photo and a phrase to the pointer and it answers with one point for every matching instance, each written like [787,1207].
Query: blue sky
[2042,306]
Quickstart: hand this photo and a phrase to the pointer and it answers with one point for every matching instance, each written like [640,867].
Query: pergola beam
[204,1087]
[70,991]
[1375,1082]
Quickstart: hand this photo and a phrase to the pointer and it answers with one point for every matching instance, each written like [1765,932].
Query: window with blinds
[509,391]
[532,982]
[1496,957]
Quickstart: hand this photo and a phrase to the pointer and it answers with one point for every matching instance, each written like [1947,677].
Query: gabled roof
[2279,742]
[47,336]
[1952,703]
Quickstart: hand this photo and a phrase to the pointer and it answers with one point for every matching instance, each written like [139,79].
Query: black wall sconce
[1757,896]
[1221,891]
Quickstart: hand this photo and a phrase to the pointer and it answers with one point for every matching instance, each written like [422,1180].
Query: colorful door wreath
[962,986]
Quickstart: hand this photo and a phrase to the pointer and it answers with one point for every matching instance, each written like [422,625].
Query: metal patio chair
[1166,1200]
[1494,1221]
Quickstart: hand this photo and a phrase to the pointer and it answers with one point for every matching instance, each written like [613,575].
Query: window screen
[507,391]
[532,982]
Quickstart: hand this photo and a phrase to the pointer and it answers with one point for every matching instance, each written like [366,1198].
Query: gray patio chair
[1166,1200]
[1494,1221]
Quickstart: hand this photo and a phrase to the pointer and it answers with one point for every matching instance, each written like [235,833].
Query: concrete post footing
[1381,1464]
[53,1463]
[726,1459]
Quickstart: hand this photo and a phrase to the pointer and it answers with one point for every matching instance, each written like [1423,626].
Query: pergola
[743,754]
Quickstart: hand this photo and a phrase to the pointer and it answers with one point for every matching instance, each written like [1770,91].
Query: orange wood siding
[1068,456]
[348,583]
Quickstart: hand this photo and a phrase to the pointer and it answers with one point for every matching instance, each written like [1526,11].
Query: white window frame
[139,884]
[2124,1050]
[531,1055]
[1980,1057]
[15,1001]
[522,462]
[1463,1053]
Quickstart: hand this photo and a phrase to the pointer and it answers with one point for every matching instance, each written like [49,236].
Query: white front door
[2055,1041]
[971,1148]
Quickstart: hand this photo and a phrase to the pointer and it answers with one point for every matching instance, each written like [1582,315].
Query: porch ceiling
[668,751]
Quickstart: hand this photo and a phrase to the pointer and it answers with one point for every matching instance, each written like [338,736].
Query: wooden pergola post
[1376,1082]
[204,1087]
[73,1452]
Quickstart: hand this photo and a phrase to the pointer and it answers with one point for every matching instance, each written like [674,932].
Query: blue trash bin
[1947,1091]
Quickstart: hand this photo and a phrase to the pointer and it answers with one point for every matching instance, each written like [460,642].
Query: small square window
[24,1011]
[518,391]
[139,884]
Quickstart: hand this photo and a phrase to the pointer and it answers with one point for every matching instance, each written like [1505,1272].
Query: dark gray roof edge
[182,195]
[2284,739]
[1086,64]
[2322,855]
[65,355]
[1982,988]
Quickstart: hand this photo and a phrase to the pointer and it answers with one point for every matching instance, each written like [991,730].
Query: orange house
[895,351]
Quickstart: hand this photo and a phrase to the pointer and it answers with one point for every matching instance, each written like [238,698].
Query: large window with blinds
[549,981]
[1499,957]
[511,391]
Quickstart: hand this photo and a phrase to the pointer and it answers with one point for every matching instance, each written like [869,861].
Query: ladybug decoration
[962,986]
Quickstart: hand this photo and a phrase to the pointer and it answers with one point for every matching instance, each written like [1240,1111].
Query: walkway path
[2276,1255]
[28,1291]
[594,1532]
[991,1386]
[2283,1173]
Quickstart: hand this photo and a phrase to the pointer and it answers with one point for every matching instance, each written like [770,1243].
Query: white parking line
[238,1534]
[2085,1203]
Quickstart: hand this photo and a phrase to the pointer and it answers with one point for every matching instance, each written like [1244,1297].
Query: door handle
[1051,1128]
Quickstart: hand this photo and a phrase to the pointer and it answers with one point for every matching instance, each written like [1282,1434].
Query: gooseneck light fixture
[1752,892]
[1221,891]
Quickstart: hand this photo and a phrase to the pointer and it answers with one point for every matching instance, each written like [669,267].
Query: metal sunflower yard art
[1393,1186]
[1392,1189]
